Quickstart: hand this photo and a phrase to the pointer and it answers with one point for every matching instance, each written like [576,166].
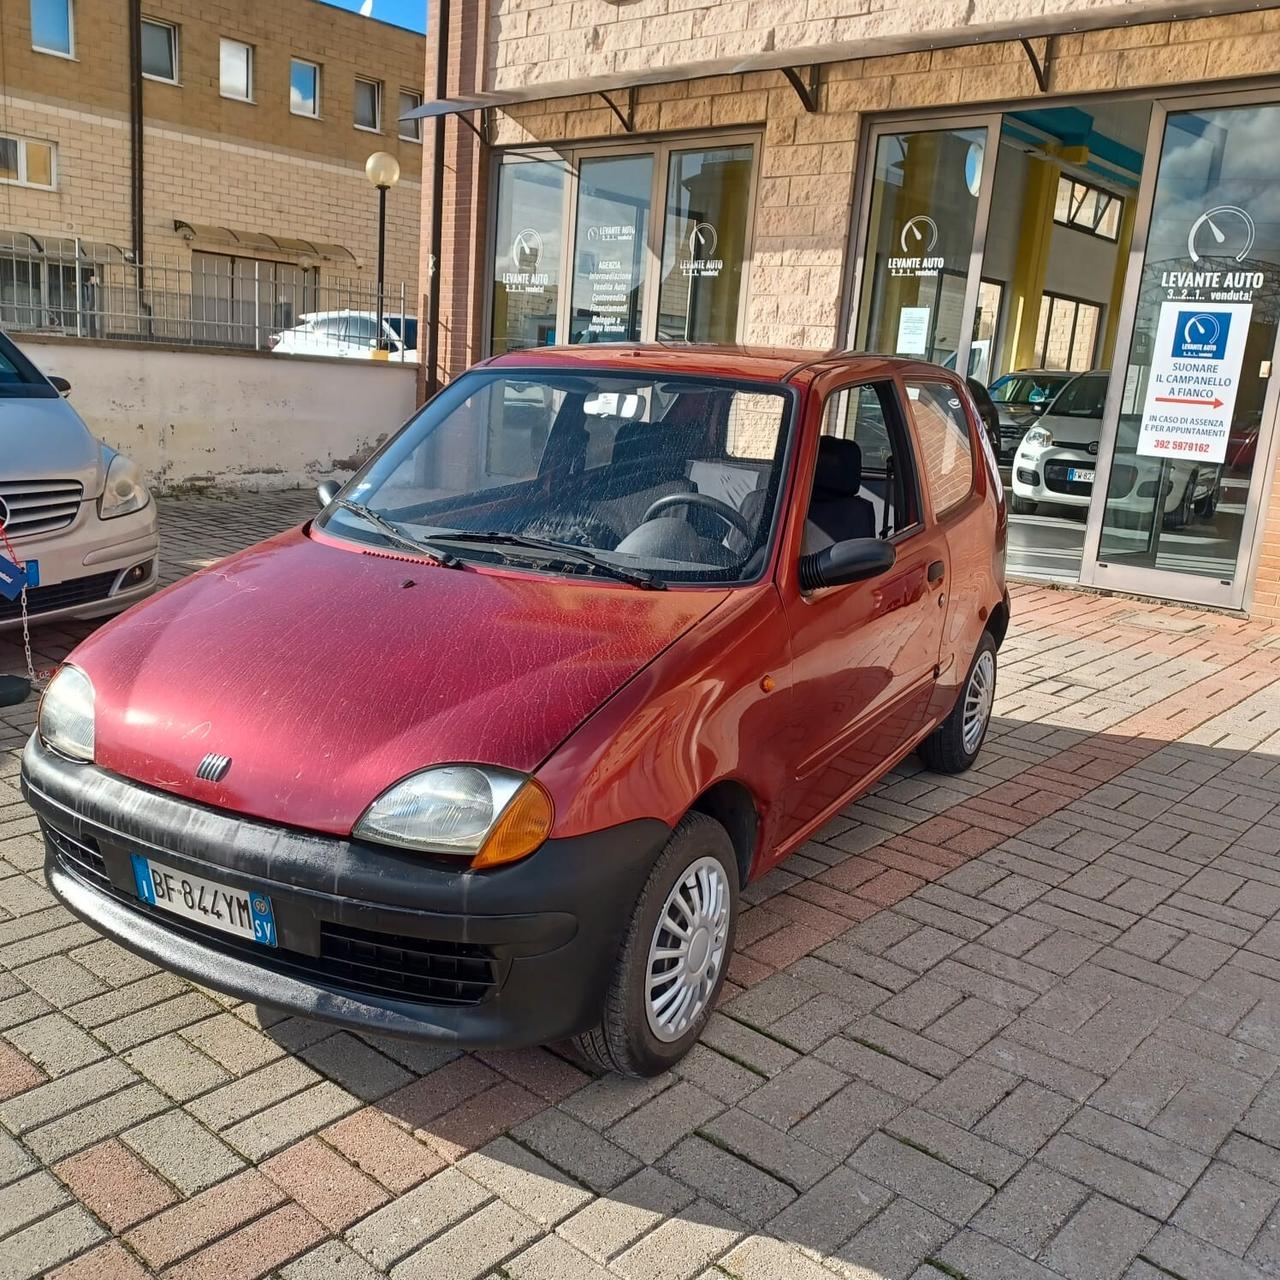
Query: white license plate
[1076,476]
[243,912]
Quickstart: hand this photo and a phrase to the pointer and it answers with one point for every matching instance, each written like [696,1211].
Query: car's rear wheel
[674,955]
[954,745]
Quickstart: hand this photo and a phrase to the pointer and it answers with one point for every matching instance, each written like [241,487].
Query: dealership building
[1006,187]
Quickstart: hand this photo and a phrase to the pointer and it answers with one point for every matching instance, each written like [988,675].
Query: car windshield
[19,377]
[1083,397]
[1023,388]
[674,478]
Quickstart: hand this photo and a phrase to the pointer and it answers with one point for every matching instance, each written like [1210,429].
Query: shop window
[367,112]
[410,130]
[526,268]
[704,244]
[235,69]
[1084,207]
[26,163]
[1067,333]
[610,242]
[242,301]
[159,50]
[946,453]
[53,27]
[304,88]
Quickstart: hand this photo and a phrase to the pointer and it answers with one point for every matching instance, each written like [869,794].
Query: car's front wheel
[672,963]
[1021,506]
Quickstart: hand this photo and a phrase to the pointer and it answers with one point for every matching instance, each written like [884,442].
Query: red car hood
[326,676]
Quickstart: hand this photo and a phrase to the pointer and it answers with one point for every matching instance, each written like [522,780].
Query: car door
[865,654]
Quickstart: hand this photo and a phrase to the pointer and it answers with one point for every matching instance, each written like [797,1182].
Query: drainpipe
[135,126]
[437,200]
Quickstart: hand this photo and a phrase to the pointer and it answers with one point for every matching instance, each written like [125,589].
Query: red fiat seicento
[486,751]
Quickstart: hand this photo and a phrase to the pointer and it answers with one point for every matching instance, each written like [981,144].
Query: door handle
[936,570]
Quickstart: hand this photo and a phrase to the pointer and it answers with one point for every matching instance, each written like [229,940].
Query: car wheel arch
[734,807]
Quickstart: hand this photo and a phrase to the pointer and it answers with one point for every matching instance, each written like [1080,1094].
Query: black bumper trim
[551,923]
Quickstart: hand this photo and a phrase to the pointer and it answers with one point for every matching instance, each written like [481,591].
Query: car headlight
[124,491]
[65,722]
[489,816]
[1038,436]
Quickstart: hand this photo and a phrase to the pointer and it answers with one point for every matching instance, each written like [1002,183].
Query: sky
[404,13]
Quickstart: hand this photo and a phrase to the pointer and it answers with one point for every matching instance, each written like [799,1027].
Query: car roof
[771,364]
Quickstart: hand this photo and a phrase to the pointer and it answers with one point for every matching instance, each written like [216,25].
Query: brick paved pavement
[1023,1023]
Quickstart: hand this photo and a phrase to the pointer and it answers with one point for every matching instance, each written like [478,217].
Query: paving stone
[253,1092]
[1026,1119]
[763,1258]
[656,1126]
[176,1067]
[355,1066]
[577,1149]
[843,1121]
[826,1215]
[969,1093]
[553,1258]
[959,1148]
[56,1044]
[1031,1208]
[38,1248]
[106,1118]
[395,1231]
[877,1068]
[971,1254]
[528,1184]
[610,1224]
[681,1246]
[753,1195]
[1119,1179]
[294,1118]
[329,1261]
[908,1171]
[894,1243]
[745,1045]
[31,1198]
[715,1074]
[970,1025]
[332,1191]
[65,1094]
[1177,1253]
[178,1146]
[467,1251]
[1228,1206]
[383,1150]
[1100,1242]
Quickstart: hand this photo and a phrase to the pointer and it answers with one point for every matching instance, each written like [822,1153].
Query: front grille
[361,961]
[40,506]
[1055,478]
[60,595]
[82,857]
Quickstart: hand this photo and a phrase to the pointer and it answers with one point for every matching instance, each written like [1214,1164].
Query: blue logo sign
[1201,335]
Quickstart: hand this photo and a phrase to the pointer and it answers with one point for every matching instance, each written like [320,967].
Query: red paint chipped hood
[326,678]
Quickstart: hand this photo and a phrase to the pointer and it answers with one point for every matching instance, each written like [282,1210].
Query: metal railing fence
[215,301]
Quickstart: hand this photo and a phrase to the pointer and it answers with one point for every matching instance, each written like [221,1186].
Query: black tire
[1207,507]
[1020,506]
[945,750]
[624,1041]
[1181,515]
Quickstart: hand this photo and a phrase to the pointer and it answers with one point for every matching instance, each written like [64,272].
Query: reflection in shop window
[1066,333]
[1087,208]
[946,453]
[704,244]
[526,266]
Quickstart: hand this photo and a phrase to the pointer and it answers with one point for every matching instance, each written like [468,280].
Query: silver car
[76,513]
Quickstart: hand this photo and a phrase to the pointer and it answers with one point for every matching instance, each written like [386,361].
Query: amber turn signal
[525,823]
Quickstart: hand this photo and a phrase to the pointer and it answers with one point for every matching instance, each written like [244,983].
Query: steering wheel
[730,515]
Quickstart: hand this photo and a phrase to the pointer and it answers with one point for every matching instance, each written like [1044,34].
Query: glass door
[925,213]
[1189,425]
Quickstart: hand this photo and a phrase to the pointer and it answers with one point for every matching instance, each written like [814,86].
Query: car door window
[868,417]
[946,448]
[360,330]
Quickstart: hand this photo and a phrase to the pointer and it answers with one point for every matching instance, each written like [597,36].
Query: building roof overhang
[255,241]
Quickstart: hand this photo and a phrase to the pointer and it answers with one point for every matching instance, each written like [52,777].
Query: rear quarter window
[946,448]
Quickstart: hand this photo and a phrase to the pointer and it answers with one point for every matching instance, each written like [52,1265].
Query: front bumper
[84,568]
[1040,475]
[370,937]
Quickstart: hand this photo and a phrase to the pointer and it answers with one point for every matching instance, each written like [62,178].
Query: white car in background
[76,512]
[1056,463]
[351,334]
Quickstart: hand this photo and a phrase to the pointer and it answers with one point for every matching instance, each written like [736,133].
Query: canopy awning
[253,241]
[29,244]
[1024,28]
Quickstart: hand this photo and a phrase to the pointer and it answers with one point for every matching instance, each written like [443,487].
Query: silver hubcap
[979,694]
[688,950]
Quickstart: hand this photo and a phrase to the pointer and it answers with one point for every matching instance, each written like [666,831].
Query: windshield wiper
[564,550]
[394,533]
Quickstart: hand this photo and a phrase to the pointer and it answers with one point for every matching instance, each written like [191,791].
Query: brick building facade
[266,162]
[585,85]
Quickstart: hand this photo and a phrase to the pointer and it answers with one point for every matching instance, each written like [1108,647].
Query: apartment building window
[159,50]
[410,130]
[1087,208]
[235,78]
[53,27]
[368,105]
[304,88]
[26,163]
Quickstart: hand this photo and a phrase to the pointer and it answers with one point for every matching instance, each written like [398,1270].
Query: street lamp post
[383,170]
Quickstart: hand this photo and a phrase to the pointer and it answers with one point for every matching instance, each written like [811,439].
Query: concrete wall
[213,419]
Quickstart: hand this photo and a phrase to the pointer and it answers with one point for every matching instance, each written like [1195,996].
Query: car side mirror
[60,385]
[326,491]
[844,562]
[13,690]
